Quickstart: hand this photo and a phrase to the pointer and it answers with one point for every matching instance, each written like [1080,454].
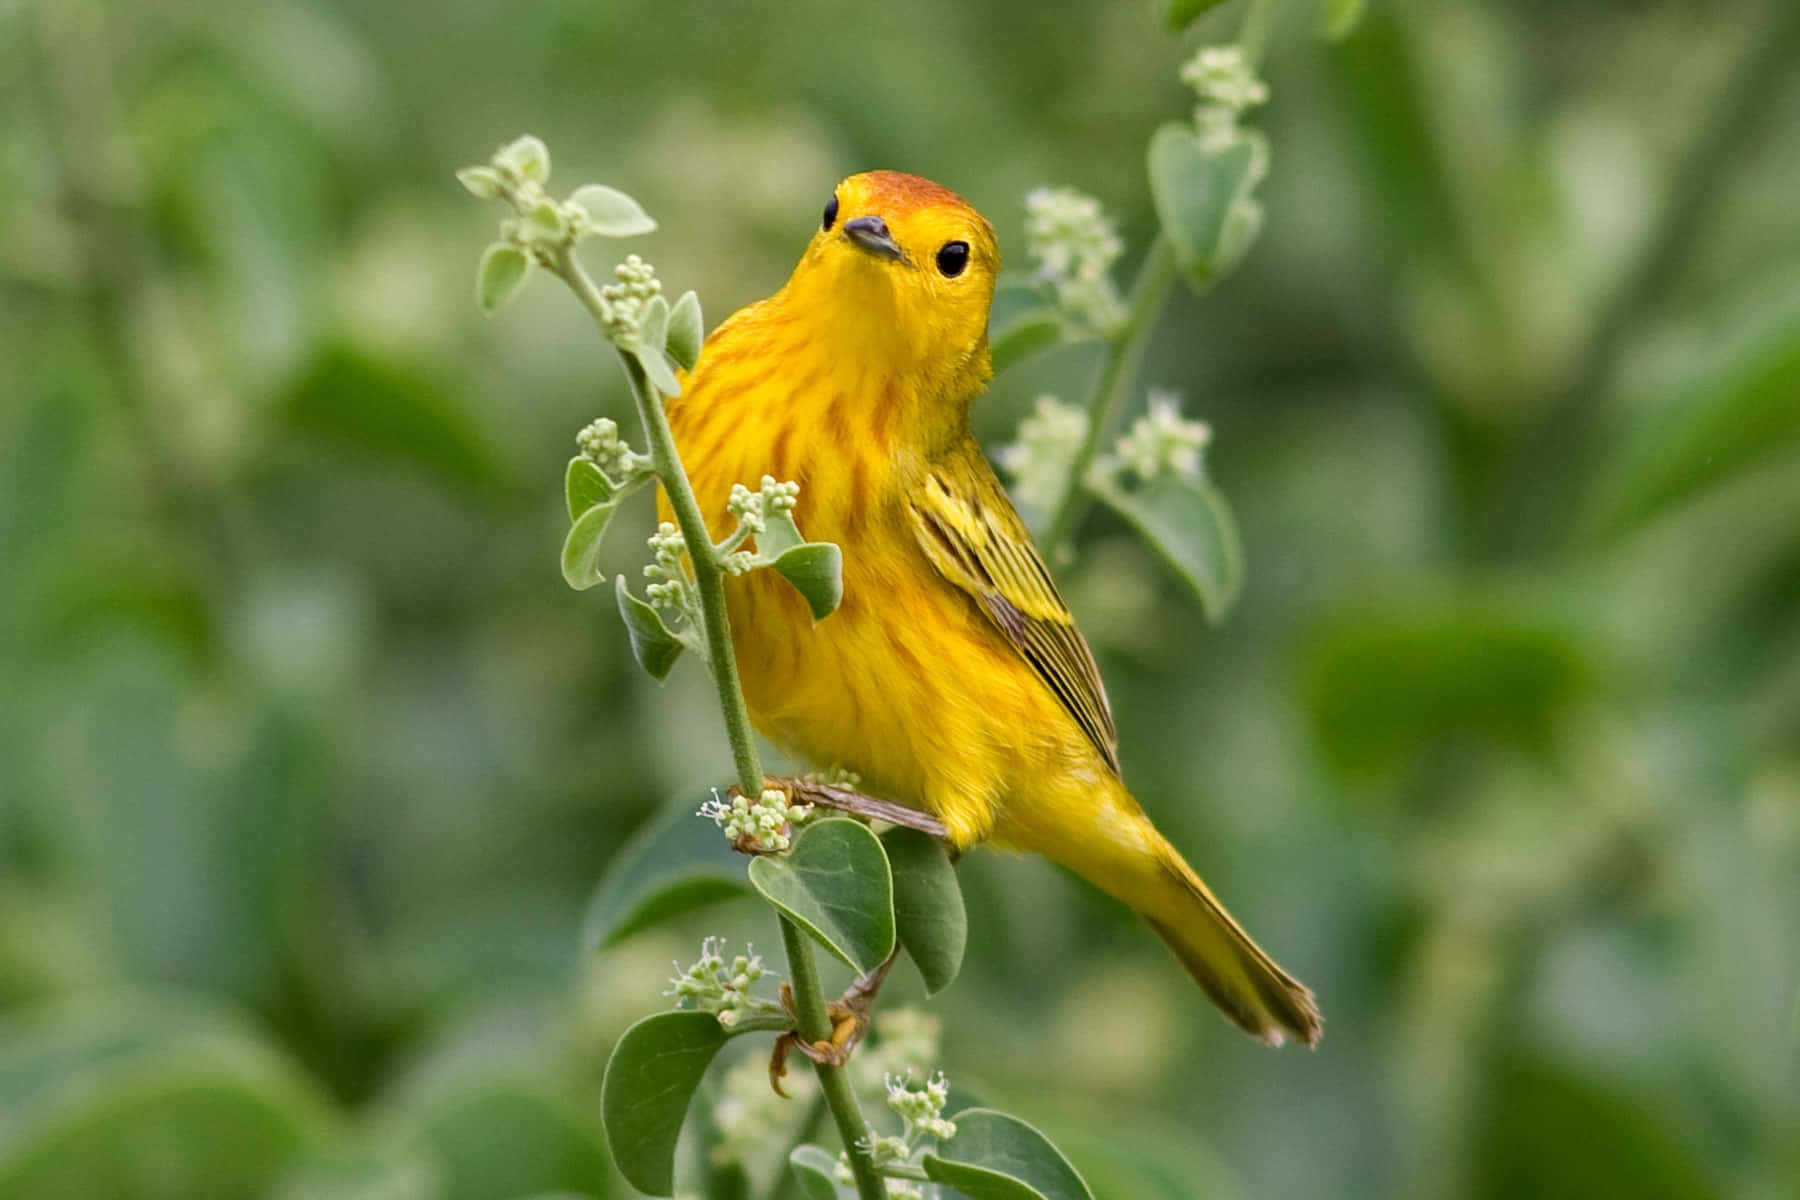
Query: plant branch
[1124,351]
[834,1082]
[703,556]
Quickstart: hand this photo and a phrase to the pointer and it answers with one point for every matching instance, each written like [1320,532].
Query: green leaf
[653,326]
[1031,332]
[611,213]
[1388,680]
[504,270]
[89,1088]
[1189,524]
[581,548]
[548,220]
[779,535]
[651,1076]
[1338,18]
[676,863]
[835,882]
[528,156]
[655,648]
[359,405]
[1182,13]
[686,332]
[928,905]
[816,569]
[816,1170]
[656,367]
[1730,407]
[584,486]
[511,1131]
[1543,1130]
[1203,197]
[997,1157]
[481,182]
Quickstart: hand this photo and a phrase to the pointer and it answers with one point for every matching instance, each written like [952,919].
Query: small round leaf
[547,219]
[655,648]
[928,905]
[656,370]
[504,269]
[1188,523]
[581,548]
[653,326]
[481,182]
[611,213]
[528,156]
[676,863]
[817,1172]
[836,884]
[997,1157]
[816,569]
[652,1074]
[585,485]
[685,331]
[1202,194]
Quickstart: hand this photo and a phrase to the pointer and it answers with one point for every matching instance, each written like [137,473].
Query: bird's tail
[1257,995]
[1137,864]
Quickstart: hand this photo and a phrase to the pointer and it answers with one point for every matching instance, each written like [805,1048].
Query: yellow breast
[906,683]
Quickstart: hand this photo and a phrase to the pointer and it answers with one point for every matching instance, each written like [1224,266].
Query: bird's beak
[871,234]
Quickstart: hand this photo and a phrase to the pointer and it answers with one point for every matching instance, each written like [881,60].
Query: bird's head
[900,276]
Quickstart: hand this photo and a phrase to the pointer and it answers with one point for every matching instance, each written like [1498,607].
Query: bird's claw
[849,1021]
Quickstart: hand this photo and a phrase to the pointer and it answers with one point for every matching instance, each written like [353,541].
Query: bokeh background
[309,761]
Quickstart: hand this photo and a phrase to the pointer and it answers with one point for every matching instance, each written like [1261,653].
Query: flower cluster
[1227,87]
[1075,247]
[1222,75]
[921,1109]
[712,985]
[600,443]
[624,301]
[837,777]
[752,508]
[1162,441]
[762,825]
[1049,440]
[669,587]
[754,511]
[921,1112]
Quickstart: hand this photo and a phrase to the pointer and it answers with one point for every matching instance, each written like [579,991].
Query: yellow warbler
[952,678]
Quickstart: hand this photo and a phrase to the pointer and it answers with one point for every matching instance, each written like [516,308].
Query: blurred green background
[309,760]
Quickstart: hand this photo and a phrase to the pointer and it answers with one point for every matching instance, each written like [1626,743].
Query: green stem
[815,1026]
[1124,351]
[703,557]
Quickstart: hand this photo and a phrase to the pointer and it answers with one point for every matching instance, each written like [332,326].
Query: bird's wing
[969,531]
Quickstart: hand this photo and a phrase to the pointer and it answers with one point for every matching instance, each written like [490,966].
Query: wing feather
[984,549]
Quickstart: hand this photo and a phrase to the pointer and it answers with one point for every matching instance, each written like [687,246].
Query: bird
[951,678]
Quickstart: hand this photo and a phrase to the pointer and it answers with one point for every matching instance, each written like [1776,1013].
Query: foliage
[304,736]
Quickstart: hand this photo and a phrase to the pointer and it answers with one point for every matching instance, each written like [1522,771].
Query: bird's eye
[953,258]
[830,214]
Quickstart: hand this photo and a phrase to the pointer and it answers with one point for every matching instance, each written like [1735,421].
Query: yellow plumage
[951,678]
